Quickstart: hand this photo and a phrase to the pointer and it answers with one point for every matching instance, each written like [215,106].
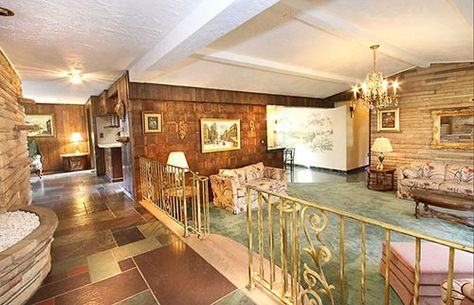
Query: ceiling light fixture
[376,92]
[6,12]
[75,76]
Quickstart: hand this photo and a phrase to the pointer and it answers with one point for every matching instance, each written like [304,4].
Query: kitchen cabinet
[113,161]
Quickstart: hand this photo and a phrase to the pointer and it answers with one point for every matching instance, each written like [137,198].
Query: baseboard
[126,193]
[335,171]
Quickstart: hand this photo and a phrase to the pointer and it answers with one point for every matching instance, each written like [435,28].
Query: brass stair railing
[295,273]
[185,200]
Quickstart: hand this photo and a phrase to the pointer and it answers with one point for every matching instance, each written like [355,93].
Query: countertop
[111,145]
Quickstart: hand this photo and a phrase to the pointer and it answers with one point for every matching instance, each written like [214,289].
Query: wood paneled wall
[15,188]
[67,119]
[441,86]
[191,104]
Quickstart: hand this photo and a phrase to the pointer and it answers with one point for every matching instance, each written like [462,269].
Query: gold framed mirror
[453,128]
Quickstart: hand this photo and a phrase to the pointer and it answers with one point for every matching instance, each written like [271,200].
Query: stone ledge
[24,265]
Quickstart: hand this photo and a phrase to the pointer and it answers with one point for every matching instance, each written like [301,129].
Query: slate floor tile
[126,264]
[178,275]
[106,292]
[59,287]
[237,297]
[143,298]
[135,248]
[102,265]
[123,237]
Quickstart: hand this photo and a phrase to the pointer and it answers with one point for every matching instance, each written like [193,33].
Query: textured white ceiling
[298,47]
[46,38]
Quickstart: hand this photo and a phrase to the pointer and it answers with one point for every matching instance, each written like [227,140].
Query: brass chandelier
[375,92]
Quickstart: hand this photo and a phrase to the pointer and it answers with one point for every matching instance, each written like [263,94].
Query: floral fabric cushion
[254,171]
[422,183]
[238,173]
[410,172]
[465,188]
[270,185]
[433,170]
[459,173]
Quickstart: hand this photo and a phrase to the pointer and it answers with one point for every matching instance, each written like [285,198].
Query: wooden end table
[446,200]
[74,161]
[381,179]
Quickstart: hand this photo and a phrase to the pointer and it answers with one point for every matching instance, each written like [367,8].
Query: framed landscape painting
[43,125]
[220,135]
[151,122]
[388,120]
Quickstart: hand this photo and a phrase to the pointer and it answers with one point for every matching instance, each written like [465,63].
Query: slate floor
[110,250]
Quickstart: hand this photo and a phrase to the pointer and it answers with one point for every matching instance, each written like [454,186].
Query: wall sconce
[352,109]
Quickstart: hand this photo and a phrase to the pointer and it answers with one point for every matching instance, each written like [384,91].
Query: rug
[355,198]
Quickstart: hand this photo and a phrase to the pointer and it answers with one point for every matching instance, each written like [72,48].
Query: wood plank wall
[14,162]
[67,119]
[441,86]
[191,104]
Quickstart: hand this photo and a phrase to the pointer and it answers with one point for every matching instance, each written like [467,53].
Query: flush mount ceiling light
[6,12]
[75,76]
[376,92]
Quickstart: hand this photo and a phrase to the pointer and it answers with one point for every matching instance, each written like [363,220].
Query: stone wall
[14,162]
[441,86]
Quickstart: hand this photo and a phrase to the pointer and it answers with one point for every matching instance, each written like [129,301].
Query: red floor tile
[106,292]
[178,275]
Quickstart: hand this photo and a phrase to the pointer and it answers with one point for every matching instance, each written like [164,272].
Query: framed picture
[152,122]
[43,125]
[220,135]
[388,120]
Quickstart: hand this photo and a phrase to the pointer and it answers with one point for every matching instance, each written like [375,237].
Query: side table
[74,162]
[381,179]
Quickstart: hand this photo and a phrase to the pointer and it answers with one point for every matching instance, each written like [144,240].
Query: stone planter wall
[24,265]
[14,161]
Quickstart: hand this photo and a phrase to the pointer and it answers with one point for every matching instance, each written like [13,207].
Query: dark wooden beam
[27,101]
[148,91]
[339,97]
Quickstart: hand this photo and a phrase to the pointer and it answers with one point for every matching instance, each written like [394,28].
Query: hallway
[110,250]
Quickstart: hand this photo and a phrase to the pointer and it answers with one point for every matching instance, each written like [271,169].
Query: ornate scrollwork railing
[182,196]
[297,273]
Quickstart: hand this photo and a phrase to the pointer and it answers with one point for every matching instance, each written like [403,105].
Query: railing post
[341,260]
[251,283]
[185,204]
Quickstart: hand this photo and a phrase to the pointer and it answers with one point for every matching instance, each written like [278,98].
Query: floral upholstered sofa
[228,187]
[456,178]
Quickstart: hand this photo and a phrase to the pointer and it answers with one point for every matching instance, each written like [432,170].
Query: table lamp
[381,145]
[76,138]
[178,159]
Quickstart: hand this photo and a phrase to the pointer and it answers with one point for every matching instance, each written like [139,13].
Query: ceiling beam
[338,27]
[255,63]
[208,22]
[465,9]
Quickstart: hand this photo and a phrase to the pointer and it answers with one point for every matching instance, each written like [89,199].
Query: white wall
[109,134]
[327,138]
[357,137]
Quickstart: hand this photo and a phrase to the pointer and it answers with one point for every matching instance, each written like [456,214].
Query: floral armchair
[228,187]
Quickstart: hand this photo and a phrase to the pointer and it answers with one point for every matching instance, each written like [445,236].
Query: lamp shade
[382,145]
[76,137]
[178,159]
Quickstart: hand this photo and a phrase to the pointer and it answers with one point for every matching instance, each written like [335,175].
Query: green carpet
[355,198]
